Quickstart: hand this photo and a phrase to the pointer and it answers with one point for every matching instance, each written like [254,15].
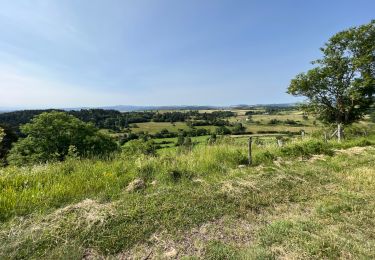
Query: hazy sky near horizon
[68,53]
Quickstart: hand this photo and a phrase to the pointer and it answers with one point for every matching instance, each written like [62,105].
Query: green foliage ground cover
[298,207]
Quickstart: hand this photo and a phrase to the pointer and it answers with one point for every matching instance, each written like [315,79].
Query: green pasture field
[154,127]
[260,123]
[307,200]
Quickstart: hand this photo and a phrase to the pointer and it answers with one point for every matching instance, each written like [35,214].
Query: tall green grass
[24,190]
[184,189]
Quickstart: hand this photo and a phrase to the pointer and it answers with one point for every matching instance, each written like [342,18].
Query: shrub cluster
[51,136]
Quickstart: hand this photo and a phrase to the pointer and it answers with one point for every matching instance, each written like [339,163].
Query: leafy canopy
[2,134]
[51,136]
[7,138]
[340,89]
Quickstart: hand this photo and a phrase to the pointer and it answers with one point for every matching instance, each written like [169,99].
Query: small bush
[137,147]
[238,128]
[291,122]
[177,174]
[355,131]
[274,122]
[263,157]
[146,169]
[306,149]
[222,130]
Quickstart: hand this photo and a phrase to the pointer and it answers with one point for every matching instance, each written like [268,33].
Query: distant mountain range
[126,108]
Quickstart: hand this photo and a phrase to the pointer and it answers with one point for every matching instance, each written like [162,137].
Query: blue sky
[69,53]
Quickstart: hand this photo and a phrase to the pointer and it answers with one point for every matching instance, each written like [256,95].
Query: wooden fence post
[302,134]
[325,137]
[249,152]
[339,132]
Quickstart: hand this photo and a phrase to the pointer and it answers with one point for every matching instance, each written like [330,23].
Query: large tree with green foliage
[7,138]
[51,136]
[340,89]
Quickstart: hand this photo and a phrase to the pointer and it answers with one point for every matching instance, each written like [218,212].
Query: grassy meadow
[306,200]
[260,123]
[154,127]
